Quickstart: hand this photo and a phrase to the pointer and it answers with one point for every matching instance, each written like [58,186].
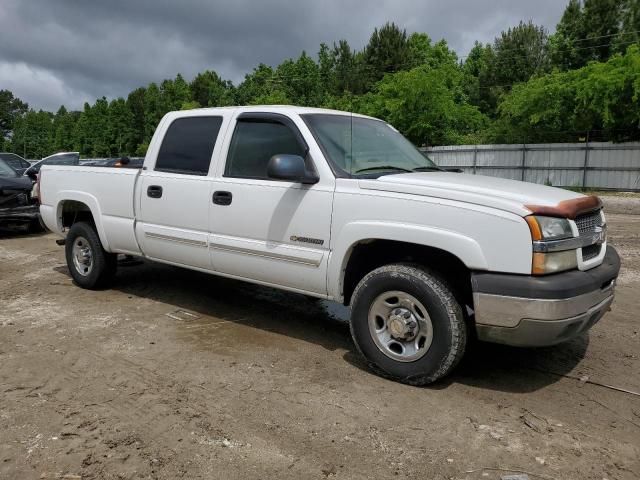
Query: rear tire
[407,324]
[89,264]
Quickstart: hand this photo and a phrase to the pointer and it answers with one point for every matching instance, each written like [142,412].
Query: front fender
[463,247]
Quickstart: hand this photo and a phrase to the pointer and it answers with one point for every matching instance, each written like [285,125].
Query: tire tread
[458,325]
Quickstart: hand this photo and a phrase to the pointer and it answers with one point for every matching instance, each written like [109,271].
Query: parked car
[123,162]
[342,207]
[16,205]
[16,162]
[63,158]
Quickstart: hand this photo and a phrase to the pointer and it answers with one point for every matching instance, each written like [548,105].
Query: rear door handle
[222,198]
[154,191]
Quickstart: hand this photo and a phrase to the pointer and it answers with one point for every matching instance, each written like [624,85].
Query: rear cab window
[187,146]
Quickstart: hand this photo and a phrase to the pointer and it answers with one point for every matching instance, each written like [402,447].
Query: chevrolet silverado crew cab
[342,207]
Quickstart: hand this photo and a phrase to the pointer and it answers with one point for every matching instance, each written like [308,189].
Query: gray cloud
[68,52]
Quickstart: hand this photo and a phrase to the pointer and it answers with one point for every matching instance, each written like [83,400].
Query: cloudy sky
[55,52]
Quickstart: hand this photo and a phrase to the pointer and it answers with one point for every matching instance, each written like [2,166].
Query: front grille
[588,222]
[592,251]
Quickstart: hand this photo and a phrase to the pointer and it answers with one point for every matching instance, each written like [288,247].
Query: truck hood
[509,195]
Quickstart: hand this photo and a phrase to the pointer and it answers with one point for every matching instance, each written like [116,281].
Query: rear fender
[91,202]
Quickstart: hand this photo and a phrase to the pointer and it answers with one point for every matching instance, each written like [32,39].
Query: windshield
[6,170]
[13,160]
[62,159]
[364,146]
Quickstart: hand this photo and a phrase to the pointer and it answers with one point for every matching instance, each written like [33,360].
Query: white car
[62,158]
[342,207]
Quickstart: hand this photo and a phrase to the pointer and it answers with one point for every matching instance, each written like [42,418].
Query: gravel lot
[176,374]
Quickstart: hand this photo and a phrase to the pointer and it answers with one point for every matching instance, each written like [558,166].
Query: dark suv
[16,162]
[16,205]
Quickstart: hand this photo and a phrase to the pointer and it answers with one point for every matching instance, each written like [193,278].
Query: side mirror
[290,167]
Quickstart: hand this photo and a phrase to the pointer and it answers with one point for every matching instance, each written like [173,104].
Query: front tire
[89,264]
[408,324]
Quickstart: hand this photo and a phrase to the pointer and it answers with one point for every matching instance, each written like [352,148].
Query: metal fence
[593,165]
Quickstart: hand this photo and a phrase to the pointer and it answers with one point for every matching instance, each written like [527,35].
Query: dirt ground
[175,374]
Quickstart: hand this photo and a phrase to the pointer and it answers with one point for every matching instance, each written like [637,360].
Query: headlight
[549,228]
[545,263]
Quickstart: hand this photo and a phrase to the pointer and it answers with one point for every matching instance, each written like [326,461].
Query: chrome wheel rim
[400,326]
[82,256]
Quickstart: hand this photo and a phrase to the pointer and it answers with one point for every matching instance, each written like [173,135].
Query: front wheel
[89,264]
[408,324]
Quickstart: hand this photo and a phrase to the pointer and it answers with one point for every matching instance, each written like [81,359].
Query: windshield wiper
[383,167]
[427,169]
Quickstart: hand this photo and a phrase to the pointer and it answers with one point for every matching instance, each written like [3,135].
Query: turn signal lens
[546,263]
[536,233]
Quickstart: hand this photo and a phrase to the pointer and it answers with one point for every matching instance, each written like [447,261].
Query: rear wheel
[89,264]
[408,324]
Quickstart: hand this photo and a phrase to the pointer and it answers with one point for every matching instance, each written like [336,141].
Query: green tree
[564,43]
[33,134]
[173,94]
[601,22]
[81,141]
[98,129]
[630,24]
[423,52]
[563,106]
[349,69]
[209,90]
[63,126]
[300,82]
[256,84]
[590,31]
[11,108]
[478,81]
[119,128]
[520,53]
[516,55]
[135,104]
[386,52]
[428,105]
[153,110]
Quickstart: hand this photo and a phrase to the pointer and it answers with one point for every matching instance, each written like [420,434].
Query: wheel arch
[79,206]
[450,254]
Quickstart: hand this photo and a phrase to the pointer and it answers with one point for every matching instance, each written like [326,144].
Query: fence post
[475,158]
[524,158]
[586,163]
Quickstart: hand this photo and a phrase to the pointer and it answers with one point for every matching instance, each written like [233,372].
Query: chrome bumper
[527,320]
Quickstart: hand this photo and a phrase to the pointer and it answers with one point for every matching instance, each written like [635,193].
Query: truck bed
[111,200]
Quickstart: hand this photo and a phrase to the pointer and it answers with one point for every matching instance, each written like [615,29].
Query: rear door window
[188,145]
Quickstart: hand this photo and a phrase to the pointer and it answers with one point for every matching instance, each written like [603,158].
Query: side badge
[315,241]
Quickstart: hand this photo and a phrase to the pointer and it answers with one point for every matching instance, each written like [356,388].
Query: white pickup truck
[342,207]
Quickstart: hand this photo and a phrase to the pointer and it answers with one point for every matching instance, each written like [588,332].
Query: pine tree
[386,52]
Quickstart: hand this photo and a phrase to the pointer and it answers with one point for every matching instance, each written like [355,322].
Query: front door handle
[154,191]
[222,198]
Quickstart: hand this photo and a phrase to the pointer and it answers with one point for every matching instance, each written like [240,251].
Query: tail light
[38,189]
